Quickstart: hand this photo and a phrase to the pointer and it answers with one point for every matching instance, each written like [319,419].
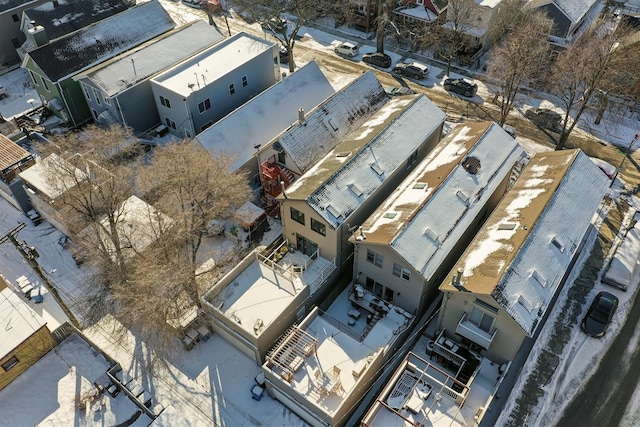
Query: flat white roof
[337,347]
[17,321]
[139,225]
[259,294]
[213,63]
[39,176]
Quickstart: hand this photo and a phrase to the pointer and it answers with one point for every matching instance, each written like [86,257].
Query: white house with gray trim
[504,286]
[407,245]
[195,94]
[119,90]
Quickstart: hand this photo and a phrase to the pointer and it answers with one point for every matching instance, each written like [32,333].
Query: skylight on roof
[525,303]
[344,154]
[463,196]
[390,215]
[538,278]
[377,169]
[558,244]
[332,123]
[356,190]
[431,234]
[333,211]
[507,226]
[419,185]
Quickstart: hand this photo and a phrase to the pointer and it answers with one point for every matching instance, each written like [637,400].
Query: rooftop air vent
[471,165]
[507,226]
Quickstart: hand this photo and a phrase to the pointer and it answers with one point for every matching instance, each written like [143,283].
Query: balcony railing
[474,333]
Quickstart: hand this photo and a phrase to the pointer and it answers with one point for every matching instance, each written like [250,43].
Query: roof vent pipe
[301,115]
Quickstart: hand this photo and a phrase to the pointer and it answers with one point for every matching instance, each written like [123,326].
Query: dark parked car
[545,118]
[599,315]
[461,87]
[411,69]
[378,59]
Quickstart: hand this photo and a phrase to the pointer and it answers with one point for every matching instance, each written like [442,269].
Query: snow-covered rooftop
[259,294]
[103,40]
[124,71]
[575,10]
[213,63]
[349,174]
[39,176]
[7,5]
[53,392]
[338,349]
[66,16]
[330,122]
[419,12]
[17,321]
[267,115]
[525,247]
[138,224]
[433,207]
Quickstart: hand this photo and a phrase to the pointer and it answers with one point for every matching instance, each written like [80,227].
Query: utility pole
[31,255]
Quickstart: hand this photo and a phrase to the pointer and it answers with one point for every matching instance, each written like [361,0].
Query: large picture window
[481,319]
[297,216]
[318,227]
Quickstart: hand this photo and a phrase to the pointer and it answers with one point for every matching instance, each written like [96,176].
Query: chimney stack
[301,116]
[456,279]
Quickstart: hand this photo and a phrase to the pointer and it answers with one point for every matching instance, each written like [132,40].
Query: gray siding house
[119,91]
[193,95]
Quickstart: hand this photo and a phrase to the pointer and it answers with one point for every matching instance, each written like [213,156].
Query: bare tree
[452,35]
[192,188]
[269,14]
[590,67]
[520,56]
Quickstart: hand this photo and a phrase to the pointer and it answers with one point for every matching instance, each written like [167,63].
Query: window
[107,100]
[400,271]
[87,92]
[45,84]
[13,361]
[95,114]
[318,227]
[232,89]
[204,105]
[206,125]
[165,102]
[170,123]
[481,319]
[297,216]
[33,78]
[16,42]
[95,92]
[374,258]
[15,18]
[244,81]
[412,159]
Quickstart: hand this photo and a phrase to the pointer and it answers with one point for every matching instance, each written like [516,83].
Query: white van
[347,49]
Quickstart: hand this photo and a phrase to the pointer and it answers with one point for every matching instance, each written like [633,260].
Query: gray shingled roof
[153,57]
[102,40]
[341,182]
[265,116]
[71,15]
[331,121]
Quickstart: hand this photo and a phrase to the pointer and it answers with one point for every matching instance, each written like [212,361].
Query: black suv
[378,59]
[545,118]
[413,69]
[461,87]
